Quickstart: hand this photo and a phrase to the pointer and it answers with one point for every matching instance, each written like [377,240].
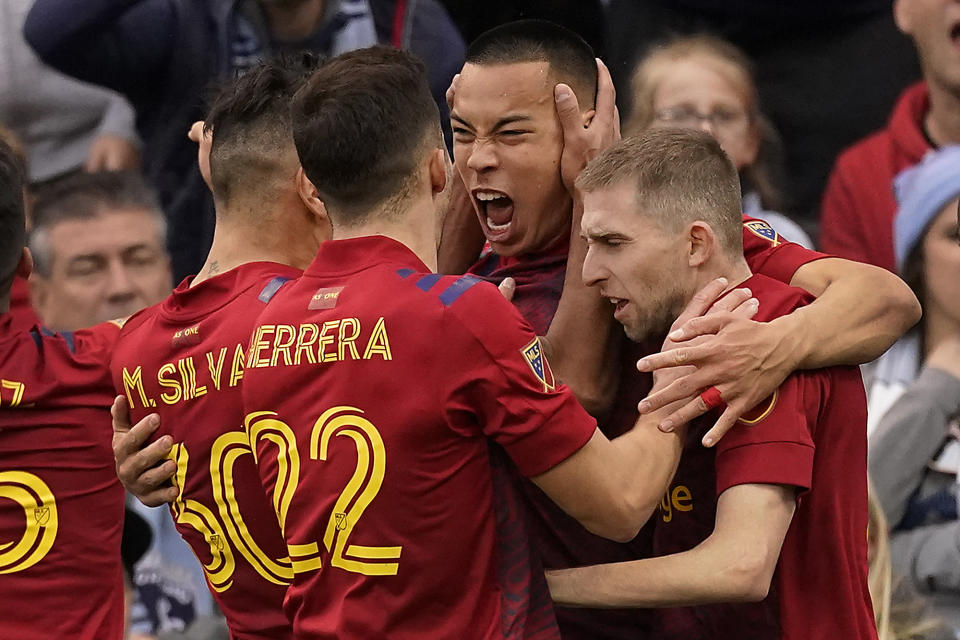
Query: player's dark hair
[83,196]
[360,124]
[571,59]
[13,219]
[680,175]
[250,121]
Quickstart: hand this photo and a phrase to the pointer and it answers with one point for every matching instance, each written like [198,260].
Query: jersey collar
[343,257]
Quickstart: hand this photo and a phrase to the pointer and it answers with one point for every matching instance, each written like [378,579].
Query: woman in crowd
[914,390]
[705,82]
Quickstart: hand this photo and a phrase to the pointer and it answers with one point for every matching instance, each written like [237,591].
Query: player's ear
[702,242]
[310,196]
[439,169]
[903,16]
[25,266]
[588,116]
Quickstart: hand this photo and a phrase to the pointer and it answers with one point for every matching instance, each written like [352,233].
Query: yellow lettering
[379,343]
[169,398]
[39,507]
[665,508]
[682,500]
[324,340]
[286,335]
[16,387]
[348,341]
[305,341]
[188,374]
[133,381]
[258,344]
[236,371]
[216,370]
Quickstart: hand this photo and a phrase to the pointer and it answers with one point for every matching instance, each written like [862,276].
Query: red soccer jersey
[184,359]
[559,539]
[61,506]
[373,391]
[811,434]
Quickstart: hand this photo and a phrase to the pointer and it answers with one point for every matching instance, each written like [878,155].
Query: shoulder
[776,298]
[865,156]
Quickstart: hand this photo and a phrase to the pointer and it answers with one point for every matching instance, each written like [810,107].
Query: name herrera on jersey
[271,345]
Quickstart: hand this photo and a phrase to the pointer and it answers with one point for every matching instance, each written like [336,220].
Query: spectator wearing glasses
[706,83]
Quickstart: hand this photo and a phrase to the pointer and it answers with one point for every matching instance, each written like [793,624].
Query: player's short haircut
[361,124]
[571,59]
[681,176]
[84,196]
[249,119]
[13,219]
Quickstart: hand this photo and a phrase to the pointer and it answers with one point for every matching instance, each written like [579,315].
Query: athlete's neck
[415,229]
[736,271]
[238,242]
[942,121]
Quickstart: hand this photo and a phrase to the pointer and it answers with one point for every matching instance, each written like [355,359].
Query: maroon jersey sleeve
[509,387]
[767,252]
[771,444]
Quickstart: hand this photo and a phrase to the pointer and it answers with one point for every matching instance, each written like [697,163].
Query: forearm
[689,578]
[855,318]
[114,43]
[583,339]
[908,436]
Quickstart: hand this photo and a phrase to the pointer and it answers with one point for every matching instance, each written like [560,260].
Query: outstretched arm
[735,564]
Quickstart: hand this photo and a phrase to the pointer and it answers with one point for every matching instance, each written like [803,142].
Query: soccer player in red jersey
[771,521]
[522,84]
[184,358]
[61,507]
[375,387]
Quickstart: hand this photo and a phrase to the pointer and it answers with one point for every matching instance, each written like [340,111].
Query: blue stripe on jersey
[426,282]
[405,273]
[457,289]
[71,344]
[271,289]
[37,340]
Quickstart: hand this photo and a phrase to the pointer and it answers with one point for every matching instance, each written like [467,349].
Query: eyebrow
[501,123]
[603,234]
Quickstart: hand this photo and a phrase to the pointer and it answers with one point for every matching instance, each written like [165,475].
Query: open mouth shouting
[619,305]
[496,213]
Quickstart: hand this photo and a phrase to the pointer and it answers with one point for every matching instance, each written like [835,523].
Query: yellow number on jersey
[40,513]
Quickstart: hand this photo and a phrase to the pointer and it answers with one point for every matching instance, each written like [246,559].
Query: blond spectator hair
[681,176]
[733,65]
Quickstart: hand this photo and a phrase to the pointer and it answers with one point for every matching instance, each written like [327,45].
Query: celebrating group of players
[356,446]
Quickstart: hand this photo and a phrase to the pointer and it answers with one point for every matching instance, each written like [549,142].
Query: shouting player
[510,151]
[61,507]
[775,514]
[184,357]
[374,387]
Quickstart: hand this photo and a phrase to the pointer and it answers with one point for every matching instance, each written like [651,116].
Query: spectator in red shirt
[738,523]
[858,205]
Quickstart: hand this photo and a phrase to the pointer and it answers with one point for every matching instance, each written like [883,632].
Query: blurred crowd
[840,117]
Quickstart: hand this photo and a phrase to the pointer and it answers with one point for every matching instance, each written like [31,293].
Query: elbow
[909,306]
[622,521]
[747,578]
[596,399]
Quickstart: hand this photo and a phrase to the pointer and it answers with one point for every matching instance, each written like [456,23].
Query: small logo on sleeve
[325,298]
[764,230]
[533,354]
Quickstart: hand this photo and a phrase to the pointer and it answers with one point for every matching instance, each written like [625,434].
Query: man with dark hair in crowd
[517,80]
[162,54]
[98,248]
[267,231]
[392,529]
[62,513]
[662,217]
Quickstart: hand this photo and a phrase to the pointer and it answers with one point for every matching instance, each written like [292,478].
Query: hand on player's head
[582,141]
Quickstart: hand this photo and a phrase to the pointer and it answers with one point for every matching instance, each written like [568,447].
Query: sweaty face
[104,268]
[701,86]
[641,269]
[941,265]
[934,26]
[507,146]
